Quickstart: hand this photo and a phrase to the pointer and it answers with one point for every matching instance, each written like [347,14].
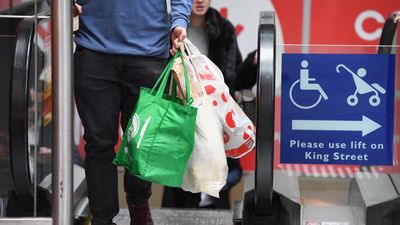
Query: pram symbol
[362,87]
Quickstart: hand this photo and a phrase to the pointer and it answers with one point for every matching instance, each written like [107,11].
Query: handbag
[159,138]
[239,131]
[207,168]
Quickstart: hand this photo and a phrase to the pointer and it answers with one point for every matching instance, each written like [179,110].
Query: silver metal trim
[306,31]
[62,73]
[27,221]
[24,16]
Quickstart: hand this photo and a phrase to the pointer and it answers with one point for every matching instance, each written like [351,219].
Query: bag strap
[163,79]
[188,54]
[191,47]
[189,99]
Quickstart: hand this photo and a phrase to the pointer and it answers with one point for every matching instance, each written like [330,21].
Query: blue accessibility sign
[337,108]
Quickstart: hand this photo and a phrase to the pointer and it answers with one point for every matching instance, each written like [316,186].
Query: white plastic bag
[207,168]
[239,131]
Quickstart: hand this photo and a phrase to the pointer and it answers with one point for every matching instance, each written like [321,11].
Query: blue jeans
[106,86]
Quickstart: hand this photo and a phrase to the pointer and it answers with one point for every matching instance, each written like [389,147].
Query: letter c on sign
[358,25]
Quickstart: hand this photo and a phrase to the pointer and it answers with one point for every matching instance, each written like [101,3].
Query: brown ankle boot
[140,214]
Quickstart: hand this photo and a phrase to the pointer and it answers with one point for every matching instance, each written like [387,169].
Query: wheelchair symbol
[305,84]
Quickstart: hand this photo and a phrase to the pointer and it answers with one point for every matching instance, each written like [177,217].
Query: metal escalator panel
[26,115]
[21,7]
[18,115]
[262,205]
[6,53]
[29,165]
[30,127]
[320,176]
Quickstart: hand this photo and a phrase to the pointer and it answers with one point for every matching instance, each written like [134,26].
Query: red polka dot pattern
[229,119]
[209,89]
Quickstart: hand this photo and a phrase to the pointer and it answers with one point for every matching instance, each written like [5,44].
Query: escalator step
[166,216]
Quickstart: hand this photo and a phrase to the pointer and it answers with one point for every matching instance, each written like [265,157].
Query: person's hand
[397,18]
[77,10]
[178,34]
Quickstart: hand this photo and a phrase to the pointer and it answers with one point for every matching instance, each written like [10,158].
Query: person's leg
[192,200]
[179,197]
[185,199]
[137,72]
[168,198]
[223,201]
[97,95]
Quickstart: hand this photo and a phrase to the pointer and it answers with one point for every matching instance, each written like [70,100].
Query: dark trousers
[178,198]
[105,86]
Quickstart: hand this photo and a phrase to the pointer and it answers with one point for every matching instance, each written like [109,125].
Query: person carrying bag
[159,138]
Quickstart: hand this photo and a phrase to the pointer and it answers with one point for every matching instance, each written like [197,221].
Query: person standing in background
[121,46]
[215,37]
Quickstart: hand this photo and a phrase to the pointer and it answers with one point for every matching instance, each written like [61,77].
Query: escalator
[26,124]
[271,197]
[7,50]
[274,196]
[262,205]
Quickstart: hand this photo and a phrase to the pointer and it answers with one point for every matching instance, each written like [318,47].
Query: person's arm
[180,13]
[247,73]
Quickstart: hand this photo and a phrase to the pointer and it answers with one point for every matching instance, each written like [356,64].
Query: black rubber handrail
[265,114]
[387,36]
[18,116]
[385,47]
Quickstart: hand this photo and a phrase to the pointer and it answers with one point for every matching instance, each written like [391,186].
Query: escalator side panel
[18,113]
[6,53]
[265,115]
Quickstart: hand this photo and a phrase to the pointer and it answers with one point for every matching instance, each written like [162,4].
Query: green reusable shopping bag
[159,138]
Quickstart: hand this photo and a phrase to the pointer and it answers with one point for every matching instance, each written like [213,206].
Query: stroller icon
[362,87]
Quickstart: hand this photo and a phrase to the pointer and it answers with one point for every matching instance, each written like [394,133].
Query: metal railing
[62,73]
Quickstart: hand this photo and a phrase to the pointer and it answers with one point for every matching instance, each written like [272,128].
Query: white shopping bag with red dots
[207,168]
[239,131]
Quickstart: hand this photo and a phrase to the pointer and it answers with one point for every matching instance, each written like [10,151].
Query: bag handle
[164,83]
[191,47]
[163,79]
[188,54]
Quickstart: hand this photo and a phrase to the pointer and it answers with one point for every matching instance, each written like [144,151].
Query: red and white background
[332,22]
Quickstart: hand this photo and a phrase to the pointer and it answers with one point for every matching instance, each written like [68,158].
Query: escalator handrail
[18,116]
[387,36]
[385,47]
[265,114]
